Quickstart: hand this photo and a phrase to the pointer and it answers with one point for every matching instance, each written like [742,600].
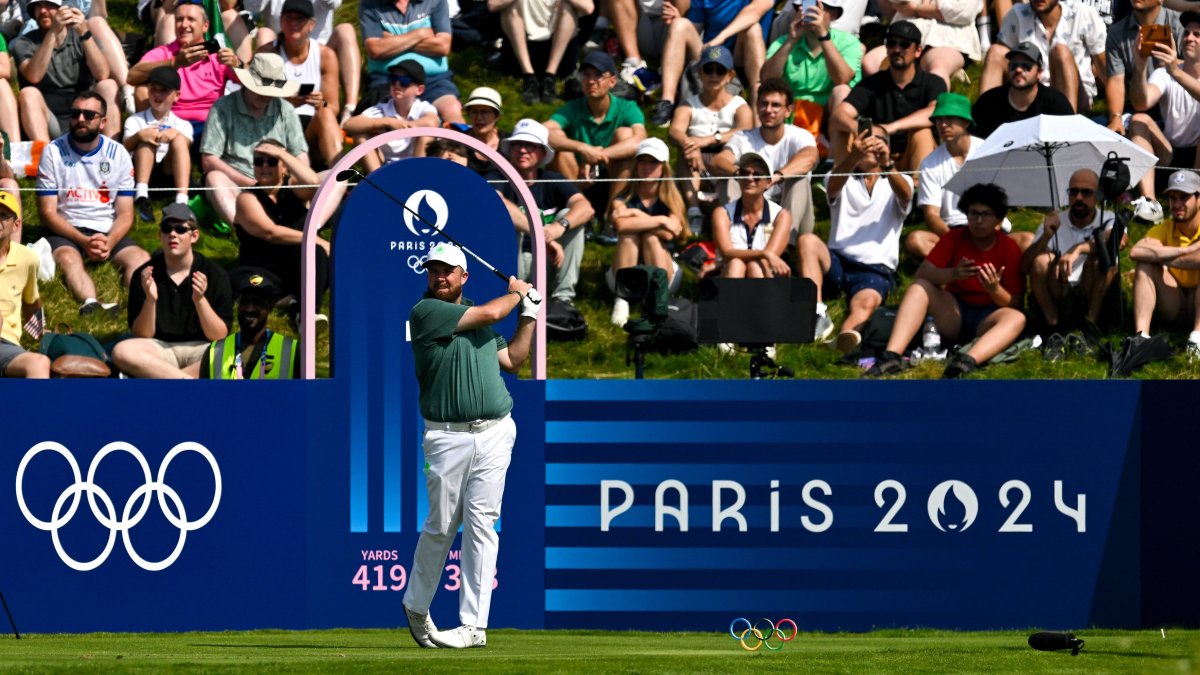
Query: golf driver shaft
[348,173]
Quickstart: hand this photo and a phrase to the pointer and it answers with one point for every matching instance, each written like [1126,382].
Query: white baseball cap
[449,254]
[654,147]
[531,131]
[748,157]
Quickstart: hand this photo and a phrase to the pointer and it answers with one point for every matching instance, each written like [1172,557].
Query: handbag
[75,355]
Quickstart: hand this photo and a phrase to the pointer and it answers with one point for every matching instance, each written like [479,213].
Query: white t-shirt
[865,226]
[739,235]
[794,140]
[403,148]
[306,72]
[1180,111]
[1080,28]
[706,122]
[87,186]
[139,121]
[1070,236]
[936,170]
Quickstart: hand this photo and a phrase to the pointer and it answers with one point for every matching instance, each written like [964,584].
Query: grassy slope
[603,354]
[597,652]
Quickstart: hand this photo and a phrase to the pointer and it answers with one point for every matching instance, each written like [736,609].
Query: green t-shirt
[807,73]
[459,373]
[576,120]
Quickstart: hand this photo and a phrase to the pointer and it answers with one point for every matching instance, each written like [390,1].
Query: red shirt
[1004,253]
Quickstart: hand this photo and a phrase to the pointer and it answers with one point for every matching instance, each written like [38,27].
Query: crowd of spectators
[253,99]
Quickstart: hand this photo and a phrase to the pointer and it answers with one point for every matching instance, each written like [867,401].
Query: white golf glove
[531,304]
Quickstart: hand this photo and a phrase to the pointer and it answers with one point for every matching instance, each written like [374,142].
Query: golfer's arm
[488,313]
[514,357]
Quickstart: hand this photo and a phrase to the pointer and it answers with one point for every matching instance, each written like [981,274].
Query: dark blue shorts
[8,352]
[847,277]
[972,316]
[438,86]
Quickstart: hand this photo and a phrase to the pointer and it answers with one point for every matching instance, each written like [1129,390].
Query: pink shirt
[200,84]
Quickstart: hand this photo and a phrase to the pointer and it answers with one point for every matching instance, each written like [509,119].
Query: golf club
[343,176]
[10,617]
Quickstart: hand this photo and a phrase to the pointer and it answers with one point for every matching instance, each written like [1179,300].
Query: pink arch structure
[328,196]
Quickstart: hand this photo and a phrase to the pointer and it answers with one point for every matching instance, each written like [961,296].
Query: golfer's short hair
[986,194]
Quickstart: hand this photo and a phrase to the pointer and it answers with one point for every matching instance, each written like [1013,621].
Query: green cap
[953,105]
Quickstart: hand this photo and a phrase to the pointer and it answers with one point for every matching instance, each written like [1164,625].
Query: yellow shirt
[18,284]
[1166,233]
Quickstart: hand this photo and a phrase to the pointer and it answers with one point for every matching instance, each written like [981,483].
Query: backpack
[680,331]
[564,321]
[75,355]
[879,329]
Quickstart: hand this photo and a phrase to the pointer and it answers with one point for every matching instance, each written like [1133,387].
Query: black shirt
[480,164]
[993,108]
[176,319]
[549,197]
[878,97]
[287,210]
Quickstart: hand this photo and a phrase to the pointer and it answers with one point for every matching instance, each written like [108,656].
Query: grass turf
[512,651]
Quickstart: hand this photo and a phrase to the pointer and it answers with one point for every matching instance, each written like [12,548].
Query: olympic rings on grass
[763,632]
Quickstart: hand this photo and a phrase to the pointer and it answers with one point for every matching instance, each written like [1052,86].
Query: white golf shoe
[463,637]
[421,627]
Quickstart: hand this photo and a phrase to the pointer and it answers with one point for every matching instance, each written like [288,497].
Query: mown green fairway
[511,651]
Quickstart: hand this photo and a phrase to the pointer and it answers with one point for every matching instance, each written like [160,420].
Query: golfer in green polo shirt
[469,436]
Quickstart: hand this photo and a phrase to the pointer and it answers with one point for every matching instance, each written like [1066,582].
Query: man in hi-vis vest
[254,352]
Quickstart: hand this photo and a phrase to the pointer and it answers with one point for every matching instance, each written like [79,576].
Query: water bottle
[931,339]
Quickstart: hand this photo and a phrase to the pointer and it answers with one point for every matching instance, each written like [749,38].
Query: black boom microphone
[1048,641]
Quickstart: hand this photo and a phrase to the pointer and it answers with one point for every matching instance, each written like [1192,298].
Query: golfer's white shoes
[463,637]
[421,627]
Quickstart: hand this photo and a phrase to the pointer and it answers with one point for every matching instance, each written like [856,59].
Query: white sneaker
[620,312]
[463,637]
[421,627]
[628,71]
[771,352]
[824,328]
[726,347]
[1148,210]
[1193,351]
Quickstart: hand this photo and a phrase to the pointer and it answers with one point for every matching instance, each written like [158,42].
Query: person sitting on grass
[647,216]
[403,110]
[178,303]
[751,232]
[868,200]
[705,123]
[254,352]
[157,134]
[1168,264]
[972,286]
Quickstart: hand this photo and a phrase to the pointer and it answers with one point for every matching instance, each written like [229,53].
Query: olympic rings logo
[139,499]
[762,632]
[416,263]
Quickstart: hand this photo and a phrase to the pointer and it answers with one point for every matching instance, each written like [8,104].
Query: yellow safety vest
[279,357]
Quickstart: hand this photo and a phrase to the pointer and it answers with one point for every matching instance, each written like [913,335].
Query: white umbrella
[1033,159]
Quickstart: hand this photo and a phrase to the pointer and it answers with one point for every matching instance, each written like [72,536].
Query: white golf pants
[465,478]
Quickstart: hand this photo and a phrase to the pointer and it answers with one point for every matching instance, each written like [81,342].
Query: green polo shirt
[459,373]
[576,120]
[232,133]
[806,72]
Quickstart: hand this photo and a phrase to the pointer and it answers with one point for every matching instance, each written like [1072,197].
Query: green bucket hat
[953,105]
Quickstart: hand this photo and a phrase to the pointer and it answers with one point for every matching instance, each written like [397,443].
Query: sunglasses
[980,215]
[892,43]
[402,80]
[1082,192]
[753,174]
[1020,65]
[178,228]
[88,115]
[714,69]
[260,160]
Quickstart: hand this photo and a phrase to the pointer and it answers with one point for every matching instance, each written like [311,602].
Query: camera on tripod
[665,324]
[756,313]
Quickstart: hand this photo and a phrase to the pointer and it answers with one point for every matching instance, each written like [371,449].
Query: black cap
[905,30]
[600,60]
[166,76]
[1189,17]
[411,68]
[304,7]
[1029,51]
[179,212]
[256,281]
